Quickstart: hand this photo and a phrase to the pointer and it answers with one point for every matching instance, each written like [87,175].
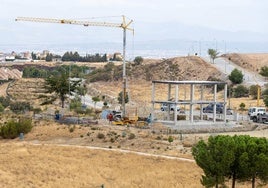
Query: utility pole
[124,74]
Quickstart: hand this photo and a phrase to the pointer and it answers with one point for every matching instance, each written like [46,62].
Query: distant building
[10,58]
[118,56]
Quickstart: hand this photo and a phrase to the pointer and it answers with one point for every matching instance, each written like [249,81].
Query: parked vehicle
[254,112]
[209,108]
[229,111]
[262,118]
[117,115]
[172,107]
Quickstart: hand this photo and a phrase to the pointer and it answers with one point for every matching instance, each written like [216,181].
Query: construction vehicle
[133,120]
[124,25]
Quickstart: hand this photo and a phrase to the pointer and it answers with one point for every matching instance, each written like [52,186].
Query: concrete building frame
[192,102]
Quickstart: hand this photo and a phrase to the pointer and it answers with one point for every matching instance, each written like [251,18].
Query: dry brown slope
[179,68]
[250,61]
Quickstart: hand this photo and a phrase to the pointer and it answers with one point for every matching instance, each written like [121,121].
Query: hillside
[139,79]
[252,62]
[179,68]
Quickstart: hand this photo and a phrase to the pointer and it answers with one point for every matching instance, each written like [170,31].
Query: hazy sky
[233,15]
[158,18]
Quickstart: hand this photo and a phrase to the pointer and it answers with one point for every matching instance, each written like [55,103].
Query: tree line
[41,72]
[239,158]
[70,56]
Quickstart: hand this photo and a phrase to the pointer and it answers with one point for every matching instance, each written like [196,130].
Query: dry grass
[40,161]
[26,165]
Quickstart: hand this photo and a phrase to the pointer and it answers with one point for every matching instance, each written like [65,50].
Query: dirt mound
[179,68]
[252,62]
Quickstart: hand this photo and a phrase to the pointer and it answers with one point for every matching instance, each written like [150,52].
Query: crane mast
[124,25]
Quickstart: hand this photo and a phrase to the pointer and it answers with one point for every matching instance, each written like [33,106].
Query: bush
[220,87]
[138,60]
[25,125]
[264,71]
[13,128]
[2,108]
[170,139]
[71,129]
[19,107]
[253,91]
[100,136]
[236,76]
[5,101]
[241,91]
[265,100]
[131,136]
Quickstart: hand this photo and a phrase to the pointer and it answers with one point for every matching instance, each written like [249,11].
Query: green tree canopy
[236,76]
[264,71]
[215,158]
[138,60]
[59,86]
[241,158]
[49,57]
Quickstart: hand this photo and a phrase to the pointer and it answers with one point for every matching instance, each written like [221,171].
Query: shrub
[19,107]
[37,110]
[71,129]
[13,128]
[138,60]
[253,91]
[170,139]
[241,91]
[5,101]
[2,108]
[131,136]
[112,140]
[264,71]
[24,125]
[100,136]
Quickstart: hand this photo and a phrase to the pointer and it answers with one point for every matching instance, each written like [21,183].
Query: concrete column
[169,93]
[191,104]
[153,100]
[176,101]
[215,100]
[201,98]
[225,103]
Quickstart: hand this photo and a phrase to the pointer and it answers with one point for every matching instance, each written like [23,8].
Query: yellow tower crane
[258,91]
[124,25]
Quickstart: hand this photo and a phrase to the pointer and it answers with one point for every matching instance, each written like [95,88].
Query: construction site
[131,123]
